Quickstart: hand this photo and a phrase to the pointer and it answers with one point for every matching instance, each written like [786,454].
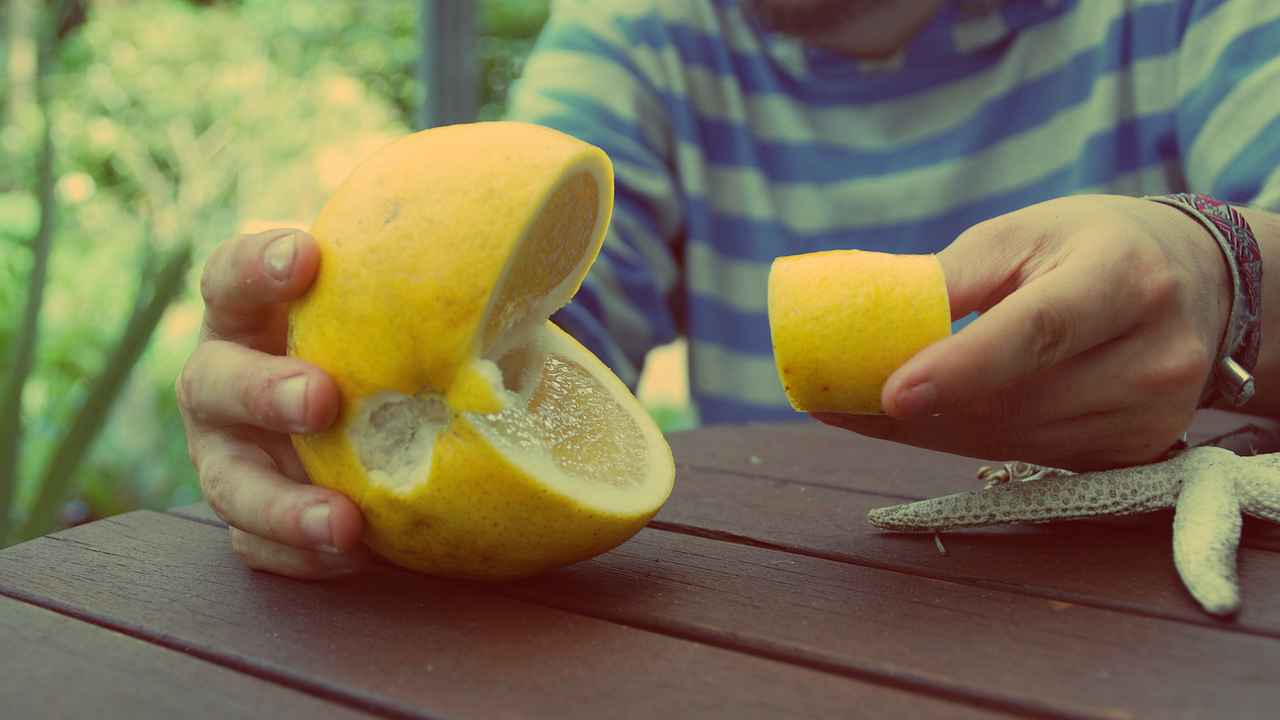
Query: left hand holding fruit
[1101,320]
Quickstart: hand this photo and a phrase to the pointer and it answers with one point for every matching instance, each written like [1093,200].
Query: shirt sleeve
[1228,116]
[594,74]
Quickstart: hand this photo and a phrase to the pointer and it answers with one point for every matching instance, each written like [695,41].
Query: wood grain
[1005,650]
[412,646]
[816,455]
[56,667]
[1036,655]
[1127,567]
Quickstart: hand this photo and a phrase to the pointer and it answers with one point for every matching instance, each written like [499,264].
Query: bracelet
[1238,356]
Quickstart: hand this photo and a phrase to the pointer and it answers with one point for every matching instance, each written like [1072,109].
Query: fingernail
[315,527]
[291,401]
[917,400]
[279,255]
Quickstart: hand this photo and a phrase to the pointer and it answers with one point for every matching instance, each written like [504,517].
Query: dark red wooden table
[759,591]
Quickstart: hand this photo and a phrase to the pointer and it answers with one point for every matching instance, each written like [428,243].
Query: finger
[1140,371]
[283,454]
[1043,323]
[227,384]
[263,554]
[245,489]
[1090,442]
[249,274]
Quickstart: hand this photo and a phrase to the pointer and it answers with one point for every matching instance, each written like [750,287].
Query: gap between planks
[258,666]
[224,660]
[197,514]
[763,649]
[888,673]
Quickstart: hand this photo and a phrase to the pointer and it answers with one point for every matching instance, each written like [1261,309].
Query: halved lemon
[844,320]
[478,439]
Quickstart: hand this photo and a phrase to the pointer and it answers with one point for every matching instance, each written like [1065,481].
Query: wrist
[1231,378]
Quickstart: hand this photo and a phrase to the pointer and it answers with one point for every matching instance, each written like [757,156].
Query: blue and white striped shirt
[733,145]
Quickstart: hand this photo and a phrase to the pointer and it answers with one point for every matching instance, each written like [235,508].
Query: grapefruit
[478,439]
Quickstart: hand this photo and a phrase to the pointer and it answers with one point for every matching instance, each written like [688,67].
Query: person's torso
[784,149]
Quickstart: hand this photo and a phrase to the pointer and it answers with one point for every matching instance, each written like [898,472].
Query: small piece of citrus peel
[844,320]
[477,438]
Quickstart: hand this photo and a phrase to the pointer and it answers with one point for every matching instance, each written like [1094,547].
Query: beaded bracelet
[1238,356]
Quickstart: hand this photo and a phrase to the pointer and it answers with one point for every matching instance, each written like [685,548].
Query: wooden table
[759,591]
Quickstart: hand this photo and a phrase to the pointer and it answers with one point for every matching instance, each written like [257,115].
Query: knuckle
[239,539]
[193,449]
[256,398]
[1184,364]
[214,270]
[229,272]
[242,544]
[1051,332]
[217,483]
[280,515]
[1157,285]
[182,386]
[189,379]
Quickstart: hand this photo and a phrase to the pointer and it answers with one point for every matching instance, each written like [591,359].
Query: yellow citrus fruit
[844,320]
[477,438]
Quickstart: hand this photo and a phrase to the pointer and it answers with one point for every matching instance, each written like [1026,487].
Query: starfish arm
[1258,485]
[1124,491]
[1206,533]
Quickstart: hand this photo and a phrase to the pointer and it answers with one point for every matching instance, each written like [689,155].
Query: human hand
[240,397]
[1101,319]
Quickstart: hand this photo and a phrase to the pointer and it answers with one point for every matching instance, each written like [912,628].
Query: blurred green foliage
[176,124]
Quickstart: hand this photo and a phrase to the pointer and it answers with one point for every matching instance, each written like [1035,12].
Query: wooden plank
[820,456]
[410,645]
[1069,659]
[1002,649]
[56,667]
[1126,567]
[1123,567]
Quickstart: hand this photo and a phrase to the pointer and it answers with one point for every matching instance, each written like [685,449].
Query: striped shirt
[733,145]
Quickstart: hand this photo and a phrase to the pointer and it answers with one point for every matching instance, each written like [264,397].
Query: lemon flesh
[477,438]
[843,321]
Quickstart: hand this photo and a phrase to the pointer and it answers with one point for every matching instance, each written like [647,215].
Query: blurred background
[174,124]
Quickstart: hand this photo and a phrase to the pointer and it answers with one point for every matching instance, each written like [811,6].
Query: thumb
[1032,320]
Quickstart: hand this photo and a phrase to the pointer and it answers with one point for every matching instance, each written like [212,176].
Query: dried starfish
[1207,486]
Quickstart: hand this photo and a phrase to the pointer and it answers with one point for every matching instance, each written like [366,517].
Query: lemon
[843,320]
[478,439]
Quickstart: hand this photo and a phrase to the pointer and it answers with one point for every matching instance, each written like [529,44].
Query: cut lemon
[844,320]
[478,439]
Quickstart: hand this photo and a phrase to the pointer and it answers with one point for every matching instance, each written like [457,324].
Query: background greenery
[176,124]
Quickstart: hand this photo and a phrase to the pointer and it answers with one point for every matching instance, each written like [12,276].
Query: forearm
[1266,228]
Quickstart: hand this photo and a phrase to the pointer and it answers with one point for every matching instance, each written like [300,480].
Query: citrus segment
[844,320]
[478,439]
